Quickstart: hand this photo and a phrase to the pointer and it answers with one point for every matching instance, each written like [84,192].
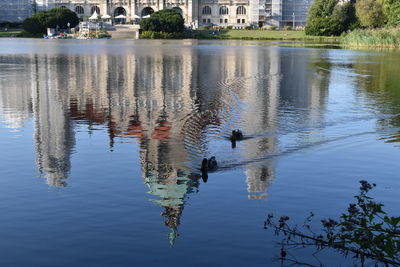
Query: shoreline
[263,35]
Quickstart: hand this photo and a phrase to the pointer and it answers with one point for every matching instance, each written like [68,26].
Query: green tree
[319,20]
[166,20]
[61,17]
[321,8]
[370,13]
[39,22]
[345,15]
[33,25]
[324,26]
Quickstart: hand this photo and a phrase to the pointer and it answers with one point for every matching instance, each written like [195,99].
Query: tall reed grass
[385,37]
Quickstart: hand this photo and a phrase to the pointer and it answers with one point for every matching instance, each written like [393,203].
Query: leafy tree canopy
[39,22]
[319,21]
[321,8]
[393,13]
[370,13]
[165,20]
[345,15]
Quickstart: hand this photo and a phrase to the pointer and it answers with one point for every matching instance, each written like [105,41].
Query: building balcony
[232,2]
[176,3]
[209,2]
[121,3]
[240,2]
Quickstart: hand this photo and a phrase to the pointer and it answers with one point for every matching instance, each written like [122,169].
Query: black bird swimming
[208,165]
[212,164]
[237,135]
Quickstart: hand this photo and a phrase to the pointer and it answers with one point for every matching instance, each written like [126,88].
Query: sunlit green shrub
[386,37]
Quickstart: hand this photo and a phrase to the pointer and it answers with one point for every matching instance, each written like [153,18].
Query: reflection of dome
[171,190]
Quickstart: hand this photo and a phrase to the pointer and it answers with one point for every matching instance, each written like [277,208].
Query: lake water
[101,144]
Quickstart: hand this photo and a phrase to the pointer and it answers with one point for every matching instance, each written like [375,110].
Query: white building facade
[234,13]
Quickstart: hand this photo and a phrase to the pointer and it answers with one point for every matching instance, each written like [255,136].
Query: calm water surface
[101,144]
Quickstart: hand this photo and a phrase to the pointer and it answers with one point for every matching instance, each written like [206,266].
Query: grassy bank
[262,35]
[13,32]
[380,38]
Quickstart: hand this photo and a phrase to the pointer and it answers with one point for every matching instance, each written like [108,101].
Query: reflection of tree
[380,81]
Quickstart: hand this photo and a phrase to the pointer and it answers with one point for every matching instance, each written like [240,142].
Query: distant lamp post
[294,21]
[69,29]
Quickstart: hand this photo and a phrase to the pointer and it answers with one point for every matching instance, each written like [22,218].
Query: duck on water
[208,165]
[236,135]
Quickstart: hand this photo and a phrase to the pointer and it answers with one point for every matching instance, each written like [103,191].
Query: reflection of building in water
[39,90]
[15,93]
[53,128]
[261,117]
[261,80]
[166,100]
[163,100]
[302,84]
[145,97]
[246,92]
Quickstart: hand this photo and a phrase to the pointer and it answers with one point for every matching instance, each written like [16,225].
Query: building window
[95,8]
[63,7]
[226,20]
[238,20]
[241,10]
[206,10]
[209,20]
[204,20]
[79,10]
[223,10]
[243,21]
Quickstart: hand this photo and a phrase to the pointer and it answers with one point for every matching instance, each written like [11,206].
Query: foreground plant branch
[364,231]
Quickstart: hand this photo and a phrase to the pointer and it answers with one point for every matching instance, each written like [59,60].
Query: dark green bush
[29,35]
[165,20]
[7,24]
[34,26]
[324,26]
[163,35]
